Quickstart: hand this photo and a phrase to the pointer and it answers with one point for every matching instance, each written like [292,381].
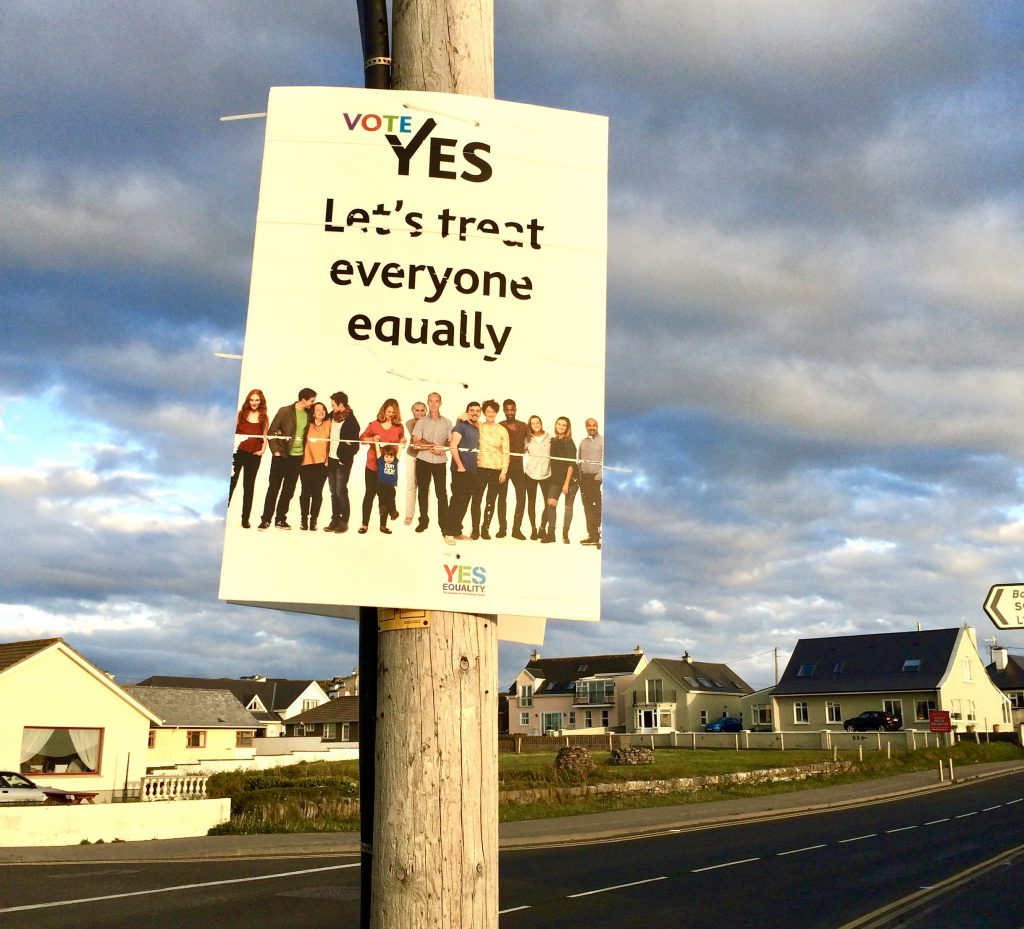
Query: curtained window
[60,751]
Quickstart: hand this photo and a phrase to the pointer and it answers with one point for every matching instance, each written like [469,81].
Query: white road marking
[166,890]
[601,890]
[858,838]
[1009,802]
[935,822]
[965,815]
[727,864]
[512,909]
[901,829]
[988,809]
[796,851]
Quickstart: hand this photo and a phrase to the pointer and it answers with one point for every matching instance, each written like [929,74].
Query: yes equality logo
[465,579]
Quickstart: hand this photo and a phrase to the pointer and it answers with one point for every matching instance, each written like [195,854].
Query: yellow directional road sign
[1005,605]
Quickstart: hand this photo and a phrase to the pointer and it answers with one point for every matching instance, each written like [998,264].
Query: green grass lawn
[308,797]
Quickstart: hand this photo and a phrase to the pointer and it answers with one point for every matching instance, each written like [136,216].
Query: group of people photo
[468,463]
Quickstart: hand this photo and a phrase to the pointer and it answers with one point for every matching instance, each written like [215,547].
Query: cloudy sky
[815,280]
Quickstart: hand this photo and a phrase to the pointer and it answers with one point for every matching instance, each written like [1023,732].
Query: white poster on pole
[417,256]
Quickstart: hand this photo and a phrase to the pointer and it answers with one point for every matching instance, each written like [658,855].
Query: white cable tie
[228,119]
[416,377]
[421,109]
[227,355]
[380,443]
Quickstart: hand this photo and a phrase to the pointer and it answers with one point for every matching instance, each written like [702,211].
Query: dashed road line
[965,815]
[900,829]
[167,890]
[935,822]
[796,851]
[512,909]
[602,890]
[725,864]
[989,809]
[859,838]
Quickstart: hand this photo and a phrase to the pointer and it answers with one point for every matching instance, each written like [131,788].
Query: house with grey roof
[336,720]
[569,694]
[1007,673]
[829,680]
[683,695]
[270,699]
[197,726]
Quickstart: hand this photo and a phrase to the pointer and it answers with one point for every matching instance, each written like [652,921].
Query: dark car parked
[873,721]
[724,724]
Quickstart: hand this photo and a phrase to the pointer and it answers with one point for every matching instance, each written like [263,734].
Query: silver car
[15,788]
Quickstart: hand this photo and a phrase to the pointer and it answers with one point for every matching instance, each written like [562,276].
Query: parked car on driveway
[16,788]
[724,724]
[873,721]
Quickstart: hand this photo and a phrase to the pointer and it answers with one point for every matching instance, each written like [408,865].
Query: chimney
[638,651]
[1000,655]
[535,656]
[972,634]
[687,658]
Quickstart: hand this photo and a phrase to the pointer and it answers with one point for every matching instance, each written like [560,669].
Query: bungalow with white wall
[68,724]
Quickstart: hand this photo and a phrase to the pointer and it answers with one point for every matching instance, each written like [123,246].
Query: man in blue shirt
[467,489]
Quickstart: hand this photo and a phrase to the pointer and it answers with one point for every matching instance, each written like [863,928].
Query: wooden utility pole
[435,835]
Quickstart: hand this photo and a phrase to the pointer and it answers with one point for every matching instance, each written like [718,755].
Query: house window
[195,738]
[806,670]
[1016,698]
[703,717]
[921,708]
[893,707]
[524,719]
[604,717]
[330,731]
[345,732]
[971,711]
[244,737]
[968,671]
[572,717]
[526,694]
[957,709]
[588,718]
[800,713]
[309,728]
[152,739]
[762,713]
[60,751]
[911,664]
[309,705]
[654,691]
[833,713]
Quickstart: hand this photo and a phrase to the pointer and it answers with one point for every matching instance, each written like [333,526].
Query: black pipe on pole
[367,750]
[373,30]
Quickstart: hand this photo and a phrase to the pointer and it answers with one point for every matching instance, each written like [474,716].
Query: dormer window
[806,670]
[911,664]
[581,669]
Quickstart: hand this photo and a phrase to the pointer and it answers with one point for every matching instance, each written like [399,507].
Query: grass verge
[316,796]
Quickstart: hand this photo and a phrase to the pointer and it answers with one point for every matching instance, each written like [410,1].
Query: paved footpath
[531,833]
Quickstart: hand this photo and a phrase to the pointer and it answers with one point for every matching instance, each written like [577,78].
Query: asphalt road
[875,865]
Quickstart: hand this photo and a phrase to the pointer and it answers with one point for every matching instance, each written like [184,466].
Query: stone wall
[673,785]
